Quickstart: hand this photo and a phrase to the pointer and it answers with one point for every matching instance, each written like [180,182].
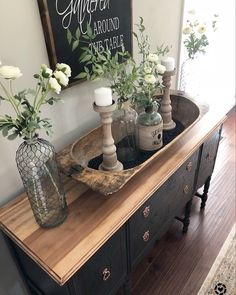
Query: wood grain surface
[94,218]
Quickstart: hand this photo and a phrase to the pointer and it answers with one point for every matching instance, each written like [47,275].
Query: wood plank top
[94,218]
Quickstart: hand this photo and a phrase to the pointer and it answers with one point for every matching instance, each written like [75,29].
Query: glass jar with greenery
[149,82]
[35,157]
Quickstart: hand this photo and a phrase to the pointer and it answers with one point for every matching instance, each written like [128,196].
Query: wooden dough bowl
[74,159]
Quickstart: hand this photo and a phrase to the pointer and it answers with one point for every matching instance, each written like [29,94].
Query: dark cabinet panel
[106,271]
[208,157]
[37,279]
[153,219]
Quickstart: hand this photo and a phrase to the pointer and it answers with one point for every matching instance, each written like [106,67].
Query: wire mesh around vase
[36,163]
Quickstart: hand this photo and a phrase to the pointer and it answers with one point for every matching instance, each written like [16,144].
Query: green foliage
[196,45]
[118,68]
[149,71]
[127,79]
[142,40]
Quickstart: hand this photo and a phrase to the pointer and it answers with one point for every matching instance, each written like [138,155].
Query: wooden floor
[179,263]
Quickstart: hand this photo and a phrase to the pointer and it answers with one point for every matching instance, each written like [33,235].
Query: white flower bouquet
[149,70]
[195,38]
[27,103]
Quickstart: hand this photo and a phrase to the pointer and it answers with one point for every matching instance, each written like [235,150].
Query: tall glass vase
[36,163]
[190,76]
[123,129]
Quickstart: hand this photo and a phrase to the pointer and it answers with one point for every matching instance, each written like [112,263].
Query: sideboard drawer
[184,188]
[105,272]
[208,157]
[153,219]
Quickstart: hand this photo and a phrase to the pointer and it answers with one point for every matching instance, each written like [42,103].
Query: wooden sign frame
[111,20]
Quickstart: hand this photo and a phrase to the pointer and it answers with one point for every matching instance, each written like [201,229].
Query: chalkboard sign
[110,20]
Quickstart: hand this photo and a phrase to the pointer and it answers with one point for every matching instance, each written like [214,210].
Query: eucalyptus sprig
[143,44]
[117,69]
[27,103]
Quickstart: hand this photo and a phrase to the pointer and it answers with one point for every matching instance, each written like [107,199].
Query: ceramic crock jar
[150,129]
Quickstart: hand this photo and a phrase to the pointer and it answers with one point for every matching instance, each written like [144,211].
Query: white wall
[22,44]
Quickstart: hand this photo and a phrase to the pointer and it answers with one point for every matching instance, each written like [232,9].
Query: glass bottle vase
[37,166]
[150,129]
[190,76]
[123,130]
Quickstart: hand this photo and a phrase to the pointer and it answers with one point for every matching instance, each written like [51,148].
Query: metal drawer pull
[106,274]
[186,189]
[189,167]
[146,236]
[146,212]
[209,157]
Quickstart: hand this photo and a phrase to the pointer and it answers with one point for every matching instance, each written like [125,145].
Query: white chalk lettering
[82,9]
[108,43]
[106,26]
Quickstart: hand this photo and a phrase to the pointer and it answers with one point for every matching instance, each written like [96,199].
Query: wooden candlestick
[110,162]
[166,109]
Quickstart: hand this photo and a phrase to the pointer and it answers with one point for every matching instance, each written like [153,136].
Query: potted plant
[35,157]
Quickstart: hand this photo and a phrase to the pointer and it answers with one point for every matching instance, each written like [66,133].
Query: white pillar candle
[103,96]
[169,63]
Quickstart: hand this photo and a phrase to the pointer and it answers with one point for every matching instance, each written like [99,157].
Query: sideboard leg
[204,195]
[186,220]
[127,287]
[205,192]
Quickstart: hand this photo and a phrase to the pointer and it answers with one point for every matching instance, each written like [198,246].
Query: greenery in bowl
[27,103]
[130,81]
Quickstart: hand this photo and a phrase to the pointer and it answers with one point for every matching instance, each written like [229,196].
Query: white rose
[10,72]
[46,70]
[65,68]
[160,68]
[150,79]
[152,58]
[43,67]
[54,85]
[187,30]
[148,70]
[201,29]
[61,78]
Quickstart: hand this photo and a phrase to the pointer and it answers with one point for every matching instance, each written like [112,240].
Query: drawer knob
[186,189]
[146,212]
[106,274]
[146,236]
[209,157]
[189,167]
